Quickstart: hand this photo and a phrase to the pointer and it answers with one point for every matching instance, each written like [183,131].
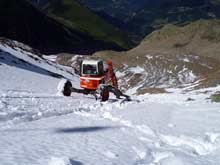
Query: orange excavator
[97,77]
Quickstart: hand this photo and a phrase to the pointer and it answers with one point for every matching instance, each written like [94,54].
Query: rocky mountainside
[200,38]
[171,57]
[61,29]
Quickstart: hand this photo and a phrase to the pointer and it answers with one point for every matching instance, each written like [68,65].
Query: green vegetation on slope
[201,38]
[197,38]
[79,18]
[205,29]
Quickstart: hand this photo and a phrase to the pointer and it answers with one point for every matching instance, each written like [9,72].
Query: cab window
[89,69]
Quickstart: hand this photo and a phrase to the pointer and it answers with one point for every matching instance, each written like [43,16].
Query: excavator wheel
[104,94]
[67,88]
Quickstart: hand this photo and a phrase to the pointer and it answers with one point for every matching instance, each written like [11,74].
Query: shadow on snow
[63,130]
[83,129]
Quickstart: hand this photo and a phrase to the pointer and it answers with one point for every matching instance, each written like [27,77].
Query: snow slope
[37,126]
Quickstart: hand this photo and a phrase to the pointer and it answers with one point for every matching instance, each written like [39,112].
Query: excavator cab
[92,68]
[92,74]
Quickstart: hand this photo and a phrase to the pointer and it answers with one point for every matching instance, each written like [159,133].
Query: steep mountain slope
[78,17]
[74,15]
[22,65]
[172,57]
[48,33]
[143,17]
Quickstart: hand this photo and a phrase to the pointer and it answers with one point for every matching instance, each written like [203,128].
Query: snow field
[37,126]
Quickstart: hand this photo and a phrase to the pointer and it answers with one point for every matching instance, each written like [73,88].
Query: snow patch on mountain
[136,69]
[167,71]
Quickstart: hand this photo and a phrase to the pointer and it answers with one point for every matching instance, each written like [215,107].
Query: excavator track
[101,93]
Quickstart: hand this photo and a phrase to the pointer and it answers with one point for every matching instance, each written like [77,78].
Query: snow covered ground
[37,126]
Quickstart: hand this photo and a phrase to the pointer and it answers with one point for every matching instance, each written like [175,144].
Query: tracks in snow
[24,106]
[160,148]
